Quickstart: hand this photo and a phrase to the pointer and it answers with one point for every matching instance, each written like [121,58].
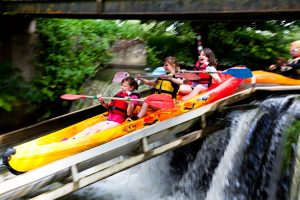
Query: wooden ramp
[80,170]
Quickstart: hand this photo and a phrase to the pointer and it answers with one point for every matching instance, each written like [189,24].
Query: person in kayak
[292,67]
[165,84]
[207,63]
[118,110]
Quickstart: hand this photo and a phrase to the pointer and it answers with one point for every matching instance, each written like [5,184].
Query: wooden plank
[278,88]
[97,175]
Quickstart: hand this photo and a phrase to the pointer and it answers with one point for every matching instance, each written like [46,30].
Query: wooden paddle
[119,76]
[235,72]
[155,100]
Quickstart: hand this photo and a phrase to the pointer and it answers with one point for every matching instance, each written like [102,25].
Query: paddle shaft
[156,100]
[112,98]
[188,76]
[235,72]
[191,71]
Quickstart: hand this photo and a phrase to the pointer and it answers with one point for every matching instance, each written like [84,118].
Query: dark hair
[172,61]
[281,61]
[211,56]
[131,81]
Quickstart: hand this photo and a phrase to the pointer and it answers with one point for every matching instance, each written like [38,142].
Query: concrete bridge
[154,9]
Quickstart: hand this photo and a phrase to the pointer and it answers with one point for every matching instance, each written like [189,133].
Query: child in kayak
[207,63]
[118,110]
[165,84]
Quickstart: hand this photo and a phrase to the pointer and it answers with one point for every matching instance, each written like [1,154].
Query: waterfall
[250,165]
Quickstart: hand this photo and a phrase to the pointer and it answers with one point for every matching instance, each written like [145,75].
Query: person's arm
[215,76]
[145,81]
[297,65]
[102,102]
[131,105]
[178,81]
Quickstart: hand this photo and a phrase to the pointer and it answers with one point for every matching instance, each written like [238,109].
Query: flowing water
[252,158]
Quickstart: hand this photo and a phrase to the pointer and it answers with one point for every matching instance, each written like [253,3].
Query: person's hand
[100,99]
[272,67]
[127,100]
[138,76]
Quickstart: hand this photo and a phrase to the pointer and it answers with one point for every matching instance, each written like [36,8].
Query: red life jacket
[205,77]
[120,106]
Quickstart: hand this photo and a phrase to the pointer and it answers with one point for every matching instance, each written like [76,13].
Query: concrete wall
[129,52]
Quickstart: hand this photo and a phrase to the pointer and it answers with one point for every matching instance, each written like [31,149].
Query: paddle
[119,76]
[235,72]
[156,100]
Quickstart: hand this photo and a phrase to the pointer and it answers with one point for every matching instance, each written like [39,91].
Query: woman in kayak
[118,110]
[165,84]
[206,63]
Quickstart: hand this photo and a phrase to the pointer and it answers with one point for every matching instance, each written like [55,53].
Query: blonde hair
[172,61]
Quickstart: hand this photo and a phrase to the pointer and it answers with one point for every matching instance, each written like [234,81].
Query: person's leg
[185,89]
[101,126]
[82,133]
[199,88]
[143,110]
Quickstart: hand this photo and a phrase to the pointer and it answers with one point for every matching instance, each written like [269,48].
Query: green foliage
[72,50]
[254,44]
[11,86]
[291,137]
[169,38]
[69,52]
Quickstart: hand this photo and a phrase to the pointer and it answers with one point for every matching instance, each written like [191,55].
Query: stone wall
[129,52]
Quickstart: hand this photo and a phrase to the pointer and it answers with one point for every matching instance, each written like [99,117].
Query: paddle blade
[239,72]
[158,71]
[119,76]
[72,96]
[188,76]
[160,101]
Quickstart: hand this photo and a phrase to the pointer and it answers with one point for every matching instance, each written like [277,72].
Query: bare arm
[215,76]
[131,107]
[178,81]
[147,82]
[102,102]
